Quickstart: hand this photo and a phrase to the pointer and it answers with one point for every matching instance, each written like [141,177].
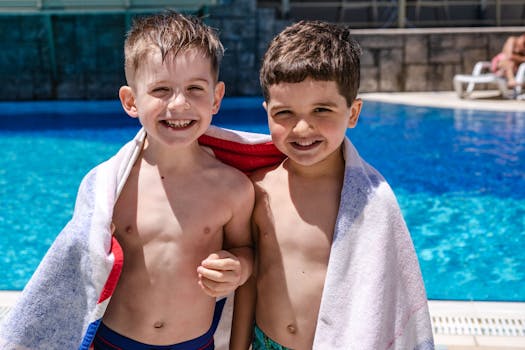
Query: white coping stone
[486,100]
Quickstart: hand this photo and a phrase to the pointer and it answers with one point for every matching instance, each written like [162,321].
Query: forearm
[243,315]
[245,257]
[518,58]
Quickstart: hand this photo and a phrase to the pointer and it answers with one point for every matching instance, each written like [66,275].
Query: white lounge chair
[481,74]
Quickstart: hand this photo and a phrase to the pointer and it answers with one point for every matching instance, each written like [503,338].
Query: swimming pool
[459,177]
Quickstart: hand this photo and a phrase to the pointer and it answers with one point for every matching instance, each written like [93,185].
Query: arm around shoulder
[238,235]
[222,272]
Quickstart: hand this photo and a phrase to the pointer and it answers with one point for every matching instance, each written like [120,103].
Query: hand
[219,274]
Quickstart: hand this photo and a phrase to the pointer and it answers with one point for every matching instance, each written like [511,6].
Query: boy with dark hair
[335,265]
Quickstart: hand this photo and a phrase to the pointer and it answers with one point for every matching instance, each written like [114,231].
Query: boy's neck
[173,158]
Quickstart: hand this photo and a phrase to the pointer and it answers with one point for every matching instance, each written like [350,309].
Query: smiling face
[174,99]
[308,120]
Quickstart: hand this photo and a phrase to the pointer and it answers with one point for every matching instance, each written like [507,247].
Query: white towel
[374,297]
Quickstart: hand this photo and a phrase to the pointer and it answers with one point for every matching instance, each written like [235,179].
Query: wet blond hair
[170,33]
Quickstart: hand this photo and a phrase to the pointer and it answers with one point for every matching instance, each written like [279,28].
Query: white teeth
[178,123]
[305,142]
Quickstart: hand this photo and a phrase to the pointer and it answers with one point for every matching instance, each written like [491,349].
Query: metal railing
[17,6]
[405,13]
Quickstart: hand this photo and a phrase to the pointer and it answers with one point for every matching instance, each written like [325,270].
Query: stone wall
[424,59]
[245,31]
[61,56]
[79,56]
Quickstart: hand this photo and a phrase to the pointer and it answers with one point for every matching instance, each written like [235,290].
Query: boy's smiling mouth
[178,124]
[305,144]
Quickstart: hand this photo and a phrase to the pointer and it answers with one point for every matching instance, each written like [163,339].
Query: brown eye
[161,89]
[195,88]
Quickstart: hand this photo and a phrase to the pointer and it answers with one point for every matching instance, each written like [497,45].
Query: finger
[214,256]
[207,290]
[217,275]
[215,289]
[222,264]
[221,254]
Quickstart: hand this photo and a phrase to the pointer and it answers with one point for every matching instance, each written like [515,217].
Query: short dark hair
[313,49]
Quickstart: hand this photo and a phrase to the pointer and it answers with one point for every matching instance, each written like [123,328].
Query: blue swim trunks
[262,342]
[107,339]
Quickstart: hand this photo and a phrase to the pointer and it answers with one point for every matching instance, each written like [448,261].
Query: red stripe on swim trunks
[108,343]
[207,345]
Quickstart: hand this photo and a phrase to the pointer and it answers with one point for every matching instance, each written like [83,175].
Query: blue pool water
[459,177]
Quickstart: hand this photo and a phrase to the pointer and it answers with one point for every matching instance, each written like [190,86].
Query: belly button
[158,324]
[291,328]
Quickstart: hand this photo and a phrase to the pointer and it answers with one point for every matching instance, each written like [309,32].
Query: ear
[127,99]
[265,106]
[355,110]
[217,96]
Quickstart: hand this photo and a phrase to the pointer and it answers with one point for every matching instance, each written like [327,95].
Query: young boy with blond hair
[335,265]
[180,205]
[159,230]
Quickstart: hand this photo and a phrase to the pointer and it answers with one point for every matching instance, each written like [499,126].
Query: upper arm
[255,237]
[237,231]
[508,47]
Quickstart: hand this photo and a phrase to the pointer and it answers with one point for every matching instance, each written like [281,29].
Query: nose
[301,126]
[177,101]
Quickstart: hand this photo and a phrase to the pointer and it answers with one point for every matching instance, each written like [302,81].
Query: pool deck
[457,325]
[478,325]
[481,100]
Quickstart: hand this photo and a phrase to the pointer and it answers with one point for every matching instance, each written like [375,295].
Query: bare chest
[187,214]
[300,225]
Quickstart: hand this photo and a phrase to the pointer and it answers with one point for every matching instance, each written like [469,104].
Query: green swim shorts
[262,342]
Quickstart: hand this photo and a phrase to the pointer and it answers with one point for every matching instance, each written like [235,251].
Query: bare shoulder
[265,175]
[231,179]
[231,173]
[267,183]
[509,44]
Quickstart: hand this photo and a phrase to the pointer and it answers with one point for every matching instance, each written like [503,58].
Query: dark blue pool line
[98,107]
[60,115]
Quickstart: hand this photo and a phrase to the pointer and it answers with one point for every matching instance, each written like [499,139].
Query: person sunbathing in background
[512,54]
